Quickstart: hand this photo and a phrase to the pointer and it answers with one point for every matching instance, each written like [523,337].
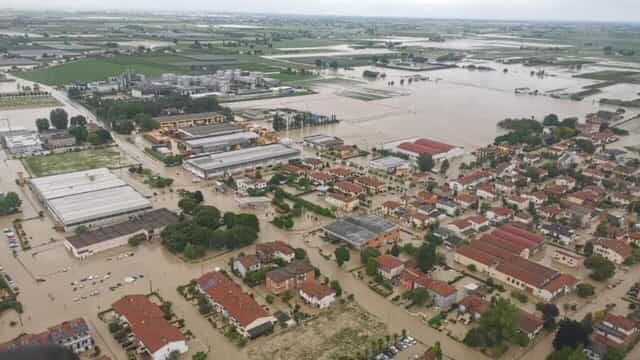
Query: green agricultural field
[75,161]
[25,102]
[102,69]
[301,43]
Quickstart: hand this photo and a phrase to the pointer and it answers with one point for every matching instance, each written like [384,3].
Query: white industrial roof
[56,186]
[223,139]
[97,204]
[243,156]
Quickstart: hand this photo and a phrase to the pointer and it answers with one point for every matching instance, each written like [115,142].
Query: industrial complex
[236,161]
[88,198]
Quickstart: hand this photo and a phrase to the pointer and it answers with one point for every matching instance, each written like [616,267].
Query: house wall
[163,352]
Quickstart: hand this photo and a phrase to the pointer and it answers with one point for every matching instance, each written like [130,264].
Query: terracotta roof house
[317,294]
[269,251]
[370,183]
[290,277]
[244,264]
[73,335]
[249,318]
[389,266]
[349,188]
[153,333]
[444,295]
[615,251]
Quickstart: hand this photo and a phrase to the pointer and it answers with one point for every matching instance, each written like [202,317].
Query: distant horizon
[591,11]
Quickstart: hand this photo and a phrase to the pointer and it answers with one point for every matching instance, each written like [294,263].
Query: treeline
[623,103]
[530,132]
[123,116]
[206,229]
[302,119]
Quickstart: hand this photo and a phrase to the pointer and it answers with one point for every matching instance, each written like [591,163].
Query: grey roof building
[212,144]
[201,131]
[210,166]
[362,231]
[88,198]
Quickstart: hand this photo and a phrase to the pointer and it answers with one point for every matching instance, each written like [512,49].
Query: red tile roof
[347,186]
[316,289]
[388,262]
[147,322]
[618,246]
[249,260]
[477,255]
[620,322]
[560,282]
[230,296]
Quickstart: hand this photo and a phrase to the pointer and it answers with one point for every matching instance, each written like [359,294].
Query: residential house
[518,202]
[245,264]
[389,266]
[292,169]
[487,192]
[447,206]
[391,207]
[249,318]
[317,294]
[341,201]
[320,178]
[290,277]
[559,233]
[615,251]
[73,335]
[154,335]
[470,181]
[614,332]
[270,251]
[349,188]
[443,294]
[499,215]
[465,201]
[371,184]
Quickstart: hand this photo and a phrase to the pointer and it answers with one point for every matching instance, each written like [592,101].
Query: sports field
[74,161]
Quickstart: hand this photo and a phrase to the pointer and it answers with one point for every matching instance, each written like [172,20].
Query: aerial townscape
[227,183]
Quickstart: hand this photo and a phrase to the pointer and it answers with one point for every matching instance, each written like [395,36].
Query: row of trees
[9,203]
[123,116]
[207,229]
[75,125]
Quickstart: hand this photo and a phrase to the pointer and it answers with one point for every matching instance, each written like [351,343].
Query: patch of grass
[102,69]
[74,161]
[7,103]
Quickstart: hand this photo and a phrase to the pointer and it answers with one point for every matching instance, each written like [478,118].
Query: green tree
[368,253]
[588,248]
[498,323]
[78,120]
[444,166]
[80,133]
[585,290]
[335,285]
[300,253]
[568,353]
[475,338]
[551,120]
[419,296]
[9,203]
[342,255]
[42,124]
[426,257]
[200,355]
[207,216]
[571,334]
[371,267]
[425,162]
[436,350]
[601,268]
[59,118]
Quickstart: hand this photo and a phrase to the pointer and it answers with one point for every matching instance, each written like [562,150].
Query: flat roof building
[323,142]
[227,142]
[363,231]
[23,145]
[215,165]
[148,224]
[174,122]
[195,132]
[389,164]
[88,198]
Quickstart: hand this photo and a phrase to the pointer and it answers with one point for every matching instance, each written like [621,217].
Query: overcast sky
[602,10]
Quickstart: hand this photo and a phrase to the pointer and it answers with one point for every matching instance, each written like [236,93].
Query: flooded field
[457,105]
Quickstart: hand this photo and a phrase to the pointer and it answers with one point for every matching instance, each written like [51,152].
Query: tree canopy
[571,334]
[425,162]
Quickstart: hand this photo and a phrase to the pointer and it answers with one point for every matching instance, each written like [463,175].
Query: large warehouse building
[230,162]
[420,146]
[90,198]
[226,142]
